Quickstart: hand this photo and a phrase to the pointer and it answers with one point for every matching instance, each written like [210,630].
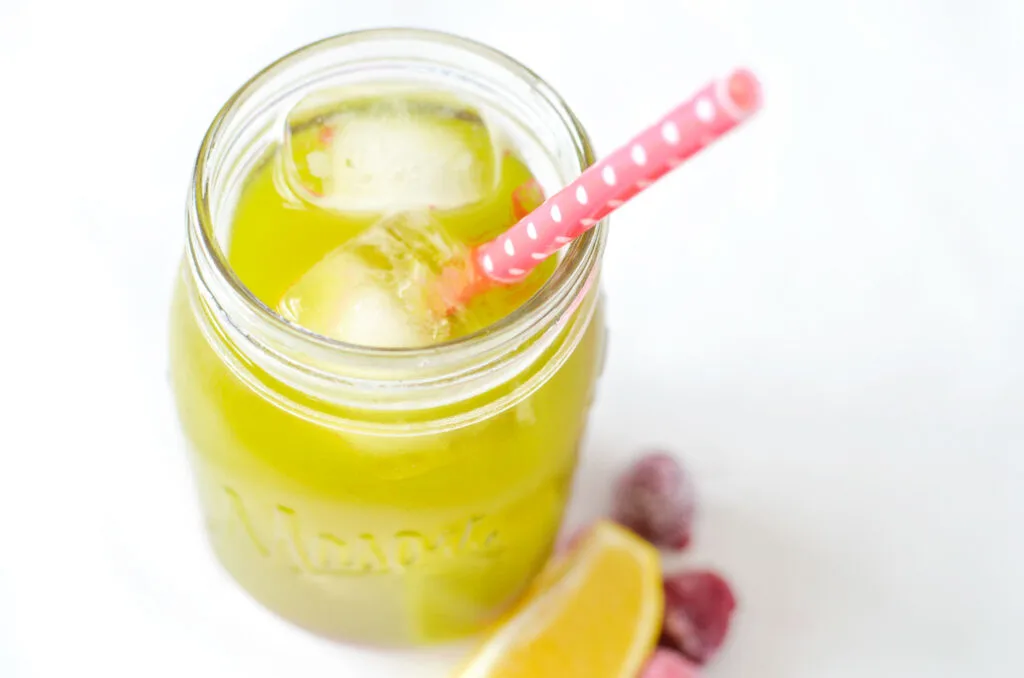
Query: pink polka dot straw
[605,186]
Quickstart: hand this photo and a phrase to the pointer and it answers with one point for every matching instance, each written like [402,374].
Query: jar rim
[551,301]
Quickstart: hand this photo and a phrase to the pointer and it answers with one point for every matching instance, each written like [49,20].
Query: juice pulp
[355,532]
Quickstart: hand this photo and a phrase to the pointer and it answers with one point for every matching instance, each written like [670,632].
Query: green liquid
[368,536]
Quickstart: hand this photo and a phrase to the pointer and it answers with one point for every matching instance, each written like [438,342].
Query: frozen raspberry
[698,607]
[326,135]
[526,198]
[655,499]
[669,664]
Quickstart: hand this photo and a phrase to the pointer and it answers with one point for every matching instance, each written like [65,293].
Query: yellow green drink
[397,491]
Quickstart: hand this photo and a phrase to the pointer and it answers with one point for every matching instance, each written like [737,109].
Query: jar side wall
[435,533]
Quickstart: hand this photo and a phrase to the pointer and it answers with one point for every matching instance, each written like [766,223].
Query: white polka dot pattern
[670,133]
[704,110]
[639,155]
[608,184]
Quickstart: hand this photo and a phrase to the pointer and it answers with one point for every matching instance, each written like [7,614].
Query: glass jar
[389,496]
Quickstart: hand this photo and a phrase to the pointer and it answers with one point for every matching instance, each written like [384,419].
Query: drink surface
[355,532]
[346,227]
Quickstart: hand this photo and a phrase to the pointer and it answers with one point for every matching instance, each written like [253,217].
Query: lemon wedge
[595,612]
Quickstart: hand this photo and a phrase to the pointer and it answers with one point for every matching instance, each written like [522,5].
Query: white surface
[829,328]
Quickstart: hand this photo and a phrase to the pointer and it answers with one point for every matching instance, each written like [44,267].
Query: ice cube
[391,152]
[375,289]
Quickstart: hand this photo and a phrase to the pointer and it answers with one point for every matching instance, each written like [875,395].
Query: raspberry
[669,664]
[655,499]
[698,608]
[526,198]
[326,135]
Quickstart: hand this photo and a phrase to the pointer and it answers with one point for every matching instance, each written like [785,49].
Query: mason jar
[390,496]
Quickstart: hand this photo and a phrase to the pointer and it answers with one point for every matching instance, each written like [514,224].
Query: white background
[824,317]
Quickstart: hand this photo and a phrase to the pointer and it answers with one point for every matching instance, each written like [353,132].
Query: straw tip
[459,281]
[744,91]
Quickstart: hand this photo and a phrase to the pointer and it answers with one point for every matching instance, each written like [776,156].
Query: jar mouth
[233,302]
